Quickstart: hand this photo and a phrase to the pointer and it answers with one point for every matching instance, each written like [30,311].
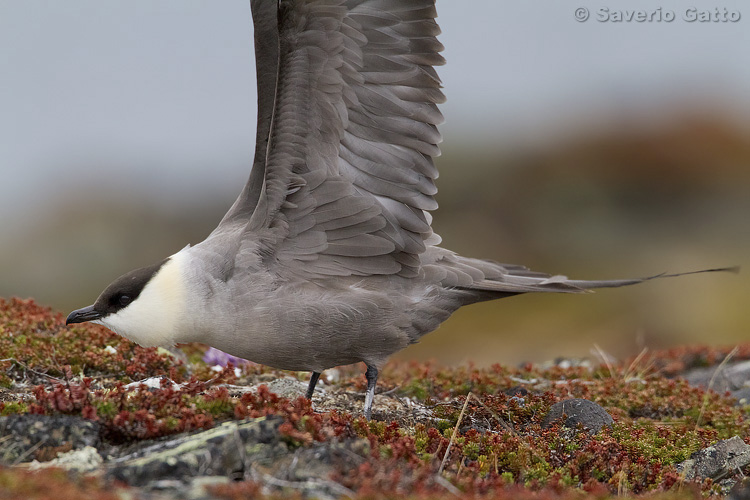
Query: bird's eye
[124,300]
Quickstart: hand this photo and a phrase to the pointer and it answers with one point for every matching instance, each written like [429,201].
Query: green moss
[470,450]
[105,409]
[215,407]
[664,443]
[418,389]
[11,408]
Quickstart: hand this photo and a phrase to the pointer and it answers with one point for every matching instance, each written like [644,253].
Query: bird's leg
[372,378]
[313,381]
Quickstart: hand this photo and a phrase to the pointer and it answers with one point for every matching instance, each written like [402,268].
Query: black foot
[313,381]
[372,378]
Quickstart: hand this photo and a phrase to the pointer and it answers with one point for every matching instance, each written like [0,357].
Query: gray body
[327,257]
[315,325]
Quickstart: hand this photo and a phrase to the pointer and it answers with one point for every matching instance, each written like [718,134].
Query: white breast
[157,315]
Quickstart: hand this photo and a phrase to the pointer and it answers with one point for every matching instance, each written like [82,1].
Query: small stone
[153,383]
[87,459]
[742,395]
[578,411]
[516,391]
[198,487]
[289,388]
[517,400]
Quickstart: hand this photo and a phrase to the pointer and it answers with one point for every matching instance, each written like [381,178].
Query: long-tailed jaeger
[327,256]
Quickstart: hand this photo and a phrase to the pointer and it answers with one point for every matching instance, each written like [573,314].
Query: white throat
[155,317]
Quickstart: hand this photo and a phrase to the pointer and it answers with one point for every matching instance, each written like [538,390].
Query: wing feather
[266,39]
[348,175]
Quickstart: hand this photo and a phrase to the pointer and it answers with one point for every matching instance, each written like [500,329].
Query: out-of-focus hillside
[609,205]
[613,204]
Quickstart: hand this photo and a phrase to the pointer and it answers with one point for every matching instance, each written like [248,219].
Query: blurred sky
[160,93]
[155,99]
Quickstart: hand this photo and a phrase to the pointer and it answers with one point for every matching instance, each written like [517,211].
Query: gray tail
[586,285]
[518,280]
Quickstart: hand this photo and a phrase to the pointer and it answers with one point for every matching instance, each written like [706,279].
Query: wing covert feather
[349,173]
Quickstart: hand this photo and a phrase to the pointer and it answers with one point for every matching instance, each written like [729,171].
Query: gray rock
[578,411]
[225,450]
[742,395]
[307,469]
[181,467]
[26,436]
[732,377]
[740,491]
[717,461]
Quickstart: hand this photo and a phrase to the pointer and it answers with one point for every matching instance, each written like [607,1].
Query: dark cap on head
[118,295]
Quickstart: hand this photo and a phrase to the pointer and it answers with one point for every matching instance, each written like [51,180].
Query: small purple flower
[216,357]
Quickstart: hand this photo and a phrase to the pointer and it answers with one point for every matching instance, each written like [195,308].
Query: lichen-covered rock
[716,461]
[307,469]
[87,459]
[42,437]
[250,450]
[578,411]
[225,450]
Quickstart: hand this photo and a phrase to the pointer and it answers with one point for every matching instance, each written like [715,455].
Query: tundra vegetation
[480,433]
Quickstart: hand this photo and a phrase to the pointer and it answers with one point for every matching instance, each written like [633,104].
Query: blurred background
[592,149]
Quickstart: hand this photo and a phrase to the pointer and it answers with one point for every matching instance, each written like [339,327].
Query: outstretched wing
[266,38]
[348,175]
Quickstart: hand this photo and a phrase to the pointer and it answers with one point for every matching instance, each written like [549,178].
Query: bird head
[142,305]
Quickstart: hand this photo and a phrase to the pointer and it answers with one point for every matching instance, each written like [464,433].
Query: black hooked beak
[82,315]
